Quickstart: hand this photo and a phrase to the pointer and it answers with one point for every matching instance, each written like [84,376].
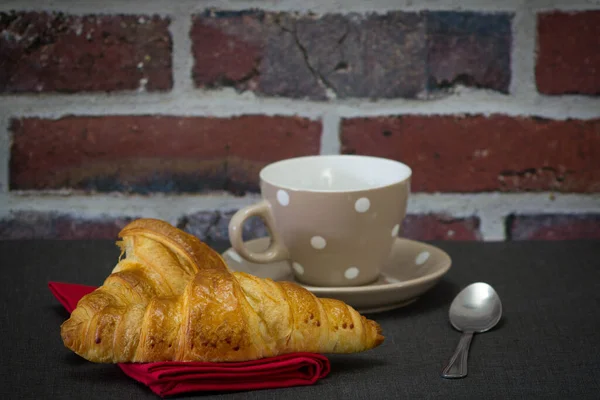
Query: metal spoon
[477,308]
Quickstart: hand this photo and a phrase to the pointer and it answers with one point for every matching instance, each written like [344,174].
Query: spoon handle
[457,366]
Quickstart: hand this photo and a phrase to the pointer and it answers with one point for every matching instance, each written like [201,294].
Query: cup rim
[275,164]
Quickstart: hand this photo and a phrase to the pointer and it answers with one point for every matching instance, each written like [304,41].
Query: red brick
[553,227]
[43,52]
[52,225]
[477,153]
[154,153]
[568,59]
[299,55]
[440,227]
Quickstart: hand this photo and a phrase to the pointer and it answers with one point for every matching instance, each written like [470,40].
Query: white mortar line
[454,204]
[317,6]
[330,136]
[4,155]
[476,101]
[182,58]
[548,5]
[165,207]
[492,226]
[523,86]
[184,102]
[224,103]
[466,204]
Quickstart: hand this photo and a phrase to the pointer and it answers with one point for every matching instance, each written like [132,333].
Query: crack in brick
[320,78]
[458,80]
[7,19]
[317,75]
[342,65]
[519,173]
[529,172]
[239,83]
[344,36]
[450,220]
[254,73]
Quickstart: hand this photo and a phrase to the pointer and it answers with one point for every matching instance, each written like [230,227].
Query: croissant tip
[379,338]
[68,335]
[378,327]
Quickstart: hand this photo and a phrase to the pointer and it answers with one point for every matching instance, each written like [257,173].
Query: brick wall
[162,109]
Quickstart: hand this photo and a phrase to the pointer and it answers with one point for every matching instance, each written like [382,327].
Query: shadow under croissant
[347,363]
[102,373]
[95,372]
[74,359]
[60,311]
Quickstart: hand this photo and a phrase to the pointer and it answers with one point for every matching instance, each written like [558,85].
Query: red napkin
[170,378]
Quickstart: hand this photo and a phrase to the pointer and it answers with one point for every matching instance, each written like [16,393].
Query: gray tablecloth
[546,346]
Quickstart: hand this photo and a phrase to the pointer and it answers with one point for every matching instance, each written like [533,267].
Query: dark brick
[553,227]
[146,154]
[453,23]
[568,59]
[52,225]
[298,56]
[44,52]
[213,226]
[468,48]
[440,227]
[477,153]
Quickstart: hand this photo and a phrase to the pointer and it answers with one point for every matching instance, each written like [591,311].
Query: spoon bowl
[476,309]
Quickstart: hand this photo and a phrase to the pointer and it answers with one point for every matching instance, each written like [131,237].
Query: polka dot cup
[333,218]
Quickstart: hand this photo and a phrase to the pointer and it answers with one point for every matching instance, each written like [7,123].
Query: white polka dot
[283,197]
[318,242]
[395,230]
[235,256]
[298,268]
[362,205]
[351,273]
[422,257]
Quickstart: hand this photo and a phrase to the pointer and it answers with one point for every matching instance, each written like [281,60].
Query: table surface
[546,346]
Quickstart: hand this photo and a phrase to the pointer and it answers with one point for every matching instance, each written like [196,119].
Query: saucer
[412,269]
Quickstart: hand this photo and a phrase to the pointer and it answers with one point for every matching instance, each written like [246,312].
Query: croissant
[172,298]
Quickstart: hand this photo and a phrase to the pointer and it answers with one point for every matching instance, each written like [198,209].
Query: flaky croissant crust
[172,297]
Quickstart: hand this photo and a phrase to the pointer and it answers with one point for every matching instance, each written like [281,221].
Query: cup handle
[276,251]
